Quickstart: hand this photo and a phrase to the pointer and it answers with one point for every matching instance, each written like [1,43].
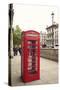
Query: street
[48,72]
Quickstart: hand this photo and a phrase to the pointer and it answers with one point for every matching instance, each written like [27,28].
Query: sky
[34,16]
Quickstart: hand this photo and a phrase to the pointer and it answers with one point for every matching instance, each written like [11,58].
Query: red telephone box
[30,58]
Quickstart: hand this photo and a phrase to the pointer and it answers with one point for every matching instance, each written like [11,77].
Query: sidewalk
[48,71]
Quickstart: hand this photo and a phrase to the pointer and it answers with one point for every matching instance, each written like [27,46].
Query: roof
[54,25]
[31,32]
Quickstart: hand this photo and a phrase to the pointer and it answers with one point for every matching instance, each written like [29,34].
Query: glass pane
[32,58]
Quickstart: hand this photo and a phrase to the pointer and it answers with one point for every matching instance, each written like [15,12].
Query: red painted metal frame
[26,76]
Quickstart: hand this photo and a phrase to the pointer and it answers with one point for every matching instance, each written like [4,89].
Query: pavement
[48,72]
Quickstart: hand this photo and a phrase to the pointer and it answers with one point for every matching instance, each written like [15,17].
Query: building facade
[52,36]
[43,36]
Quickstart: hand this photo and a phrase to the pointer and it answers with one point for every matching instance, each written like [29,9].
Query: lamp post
[52,18]
[10,41]
[52,29]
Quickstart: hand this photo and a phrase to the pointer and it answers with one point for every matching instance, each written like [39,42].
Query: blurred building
[52,36]
[43,36]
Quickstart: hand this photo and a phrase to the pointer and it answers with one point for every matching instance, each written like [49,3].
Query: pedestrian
[19,49]
[14,51]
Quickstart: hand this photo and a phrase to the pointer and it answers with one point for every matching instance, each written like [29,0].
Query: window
[32,57]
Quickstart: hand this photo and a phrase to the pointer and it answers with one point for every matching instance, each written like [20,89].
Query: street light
[52,29]
[52,18]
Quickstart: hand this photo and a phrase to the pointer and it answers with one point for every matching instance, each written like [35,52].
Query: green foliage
[17,36]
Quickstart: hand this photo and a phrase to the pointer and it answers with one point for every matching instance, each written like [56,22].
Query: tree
[17,36]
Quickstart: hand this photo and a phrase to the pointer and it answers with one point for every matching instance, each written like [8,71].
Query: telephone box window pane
[32,42]
[32,47]
[33,52]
